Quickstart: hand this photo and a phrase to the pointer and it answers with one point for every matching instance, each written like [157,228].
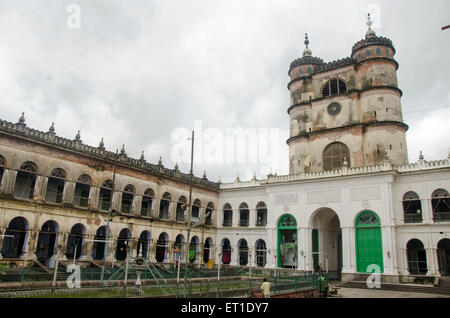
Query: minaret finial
[52,128]
[370,32]
[307,51]
[78,136]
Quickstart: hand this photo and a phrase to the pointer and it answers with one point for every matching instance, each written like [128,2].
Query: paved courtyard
[377,293]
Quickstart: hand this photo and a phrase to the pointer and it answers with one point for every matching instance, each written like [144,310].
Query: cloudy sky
[144,73]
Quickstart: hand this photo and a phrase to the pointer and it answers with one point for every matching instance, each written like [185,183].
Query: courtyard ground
[377,293]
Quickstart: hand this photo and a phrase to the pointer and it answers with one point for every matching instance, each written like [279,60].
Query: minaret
[346,111]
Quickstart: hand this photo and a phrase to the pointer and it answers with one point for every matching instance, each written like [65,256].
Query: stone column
[137,204]
[172,211]
[252,218]
[434,261]
[116,201]
[155,212]
[404,256]
[69,192]
[32,244]
[93,197]
[8,181]
[39,189]
[348,250]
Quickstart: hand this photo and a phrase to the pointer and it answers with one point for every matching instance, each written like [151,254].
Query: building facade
[352,203]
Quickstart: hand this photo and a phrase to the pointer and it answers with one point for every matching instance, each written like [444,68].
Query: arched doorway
[161,247]
[45,250]
[143,242]
[261,253]
[417,257]
[207,249]
[287,250]
[193,249]
[243,252]
[226,251]
[443,253]
[15,238]
[98,248]
[75,241]
[326,242]
[369,248]
[123,241]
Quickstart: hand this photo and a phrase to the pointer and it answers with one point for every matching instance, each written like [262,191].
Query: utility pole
[106,250]
[189,210]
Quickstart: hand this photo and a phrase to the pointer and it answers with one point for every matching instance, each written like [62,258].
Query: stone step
[400,287]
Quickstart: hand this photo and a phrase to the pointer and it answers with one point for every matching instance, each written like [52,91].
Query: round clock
[334,108]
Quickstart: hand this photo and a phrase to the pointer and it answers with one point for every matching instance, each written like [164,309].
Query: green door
[315,248]
[368,242]
[287,250]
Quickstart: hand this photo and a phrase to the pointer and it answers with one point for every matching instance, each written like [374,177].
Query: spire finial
[307,51]
[101,145]
[142,155]
[421,156]
[52,127]
[22,119]
[78,136]
[122,151]
[160,162]
[370,32]
[176,166]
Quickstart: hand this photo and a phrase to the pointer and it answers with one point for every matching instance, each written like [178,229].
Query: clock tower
[347,112]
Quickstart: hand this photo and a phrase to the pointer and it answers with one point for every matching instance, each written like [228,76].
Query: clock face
[334,108]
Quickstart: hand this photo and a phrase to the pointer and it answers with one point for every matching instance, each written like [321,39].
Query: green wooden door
[315,248]
[368,242]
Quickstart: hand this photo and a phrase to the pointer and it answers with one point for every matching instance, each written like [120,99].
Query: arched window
[244,214]
[335,155]
[105,195]
[127,199]
[164,206]
[261,214]
[443,254]
[25,181]
[161,247]
[123,241]
[193,249]
[181,208]
[417,257]
[412,207]
[210,210]
[243,252]
[227,215]
[45,249]
[82,190]
[178,248]
[14,241]
[334,86]
[75,241]
[55,186]
[440,202]
[147,202]
[226,251]
[2,168]
[196,210]
[261,253]
[98,248]
[207,249]
[143,243]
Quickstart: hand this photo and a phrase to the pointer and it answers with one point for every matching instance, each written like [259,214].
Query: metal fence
[153,283]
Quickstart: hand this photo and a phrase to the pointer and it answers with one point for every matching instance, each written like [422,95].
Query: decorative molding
[362,194]
[286,199]
[320,197]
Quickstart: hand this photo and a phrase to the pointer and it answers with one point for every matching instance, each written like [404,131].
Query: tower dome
[305,65]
